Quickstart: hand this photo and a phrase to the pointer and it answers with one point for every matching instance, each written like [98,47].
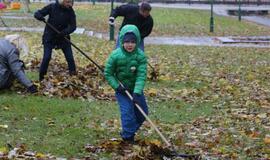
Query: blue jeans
[48,47]
[141,45]
[131,117]
[8,81]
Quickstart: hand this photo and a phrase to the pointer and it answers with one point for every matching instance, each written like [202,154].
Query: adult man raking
[138,15]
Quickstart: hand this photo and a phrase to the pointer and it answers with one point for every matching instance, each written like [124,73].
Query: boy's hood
[130,28]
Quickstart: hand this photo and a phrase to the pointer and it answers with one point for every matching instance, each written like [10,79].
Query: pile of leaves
[89,83]
[86,85]
[142,149]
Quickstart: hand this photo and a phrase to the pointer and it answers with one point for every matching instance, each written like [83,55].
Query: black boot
[41,77]
[129,140]
[72,73]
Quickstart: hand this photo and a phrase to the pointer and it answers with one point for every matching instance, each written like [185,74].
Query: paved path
[203,41]
[189,41]
[16,17]
[260,20]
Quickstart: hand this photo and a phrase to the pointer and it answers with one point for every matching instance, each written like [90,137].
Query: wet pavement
[206,41]
[260,20]
[16,17]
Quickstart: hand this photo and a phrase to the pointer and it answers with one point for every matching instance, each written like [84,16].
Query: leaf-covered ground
[216,101]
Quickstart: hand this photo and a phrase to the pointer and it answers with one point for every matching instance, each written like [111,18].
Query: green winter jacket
[130,68]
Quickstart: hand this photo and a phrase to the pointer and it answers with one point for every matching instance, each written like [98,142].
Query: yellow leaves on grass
[266,140]
[265,104]
[40,156]
[165,77]
[250,76]
[20,152]
[152,92]
[155,142]
[4,126]
[254,134]
[3,151]
[50,122]
[193,144]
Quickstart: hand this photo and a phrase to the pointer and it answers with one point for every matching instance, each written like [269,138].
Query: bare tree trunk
[26,7]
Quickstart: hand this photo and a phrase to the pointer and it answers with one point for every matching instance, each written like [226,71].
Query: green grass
[185,22]
[63,127]
[167,22]
[178,112]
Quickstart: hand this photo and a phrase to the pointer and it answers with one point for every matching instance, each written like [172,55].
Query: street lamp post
[212,18]
[239,10]
[111,26]
[93,2]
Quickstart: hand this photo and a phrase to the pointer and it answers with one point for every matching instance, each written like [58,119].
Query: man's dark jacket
[63,19]
[131,15]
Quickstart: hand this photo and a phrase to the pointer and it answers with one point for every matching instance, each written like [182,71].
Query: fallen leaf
[267,139]
[4,126]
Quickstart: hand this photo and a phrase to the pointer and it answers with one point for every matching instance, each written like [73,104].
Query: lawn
[208,100]
[221,92]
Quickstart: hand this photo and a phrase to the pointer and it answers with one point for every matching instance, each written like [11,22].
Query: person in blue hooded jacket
[63,18]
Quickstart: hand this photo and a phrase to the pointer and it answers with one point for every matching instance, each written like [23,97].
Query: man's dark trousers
[48,47]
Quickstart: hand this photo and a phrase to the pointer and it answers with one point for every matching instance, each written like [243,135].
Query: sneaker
[41,77]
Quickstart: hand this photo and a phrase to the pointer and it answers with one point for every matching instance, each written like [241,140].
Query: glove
[121,89]
[23,65]
[32,89]
[136,98]
[39,17]
[111,21]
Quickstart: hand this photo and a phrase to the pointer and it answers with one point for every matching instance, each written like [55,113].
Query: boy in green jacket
[128,65]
